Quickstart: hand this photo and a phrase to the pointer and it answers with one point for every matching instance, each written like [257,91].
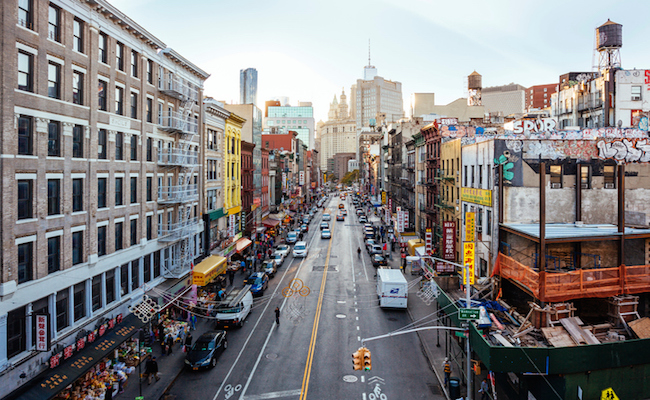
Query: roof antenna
[369,53]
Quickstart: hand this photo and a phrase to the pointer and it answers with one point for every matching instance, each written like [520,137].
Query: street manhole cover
[271,356]
[392,319]
[341,316]
[350,378]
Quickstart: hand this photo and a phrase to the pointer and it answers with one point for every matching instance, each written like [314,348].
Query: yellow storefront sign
[383,197]
[234,210]
[608,394]
[476,196]
[208,269]
[470,226]
[468,260]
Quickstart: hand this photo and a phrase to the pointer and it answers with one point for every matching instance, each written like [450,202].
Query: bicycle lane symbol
[376,393]
[229,390]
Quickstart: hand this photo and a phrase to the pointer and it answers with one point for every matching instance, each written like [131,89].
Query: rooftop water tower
[609,40]
[474,86]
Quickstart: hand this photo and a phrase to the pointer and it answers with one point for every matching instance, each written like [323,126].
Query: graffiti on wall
[628,150]
[559,149]
[478,133]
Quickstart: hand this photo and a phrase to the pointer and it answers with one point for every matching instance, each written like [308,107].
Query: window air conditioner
[609,186]
[556,185]
[479,229]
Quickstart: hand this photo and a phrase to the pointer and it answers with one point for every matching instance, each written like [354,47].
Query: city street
[309,355]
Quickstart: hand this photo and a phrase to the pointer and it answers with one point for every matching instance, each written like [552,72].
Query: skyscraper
[248,86]
[375,98]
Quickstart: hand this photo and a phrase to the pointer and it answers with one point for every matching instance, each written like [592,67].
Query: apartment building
[100,171]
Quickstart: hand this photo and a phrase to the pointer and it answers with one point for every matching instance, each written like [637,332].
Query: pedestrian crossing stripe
[608,394]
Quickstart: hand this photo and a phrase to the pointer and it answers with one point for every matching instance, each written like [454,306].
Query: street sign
[468,313]
[608,394]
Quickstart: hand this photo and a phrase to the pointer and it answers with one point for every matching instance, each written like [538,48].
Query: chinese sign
[301,178]
[476,196]
[231,225]
[449,240]
[427,241]
[400,220]
[469,226]
[468,260]
[42,340]
[383,197]
[444,268]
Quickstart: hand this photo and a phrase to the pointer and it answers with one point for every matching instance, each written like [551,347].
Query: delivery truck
[392,288]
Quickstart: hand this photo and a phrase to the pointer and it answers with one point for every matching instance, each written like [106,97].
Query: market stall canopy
[49,383]
[271,223]
[242,244]
[208,269]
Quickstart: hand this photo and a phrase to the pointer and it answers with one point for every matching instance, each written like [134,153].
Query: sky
[311,50]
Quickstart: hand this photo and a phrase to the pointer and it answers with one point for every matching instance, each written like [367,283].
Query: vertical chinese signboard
[468,260]
[383,197]
[301,178]
[427,241]
[389,210]
[400,220]
[469,227]
[42,338]
[449,240]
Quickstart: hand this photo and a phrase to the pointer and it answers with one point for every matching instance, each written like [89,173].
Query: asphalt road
[309,355]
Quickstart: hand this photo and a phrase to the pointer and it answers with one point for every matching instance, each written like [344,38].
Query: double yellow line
[314,329]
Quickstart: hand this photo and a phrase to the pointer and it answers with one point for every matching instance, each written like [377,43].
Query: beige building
[338,134]
[100,170]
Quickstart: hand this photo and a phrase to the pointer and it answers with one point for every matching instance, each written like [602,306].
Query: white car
[277,258]
[283,249]
[327,217]
[300,249]
[292,237]
[326,234]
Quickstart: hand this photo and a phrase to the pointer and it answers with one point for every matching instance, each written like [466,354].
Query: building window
[149,188]
[556,176]
[134,148]
[53,254]
[150,71]
[16,337]
[134,64]
[124,279]
[147,268]
[119,236]
[79,301]
[96,293]
[101,192]
[101,144]
[110,286]
[585,176]
[54,80]
[636,93]
[77,141]
[53,196]
[25,135]
[156,264]
[25,14]
[119,56]
[77,247]
[25,71]
[465,175]
[78,35]
[149,227]
[62,318]
[609,175]
[149,109]
[77,87]
[77,195]
[134,105]
[101,240]
[119,146]
[101,92]
[118,191]
[134,190]
[25,191]
[135,274]
[25,270]
[53,139]
[103,44]
[149,149]
[53,23]
[134,232]
[119,101]
[39,307]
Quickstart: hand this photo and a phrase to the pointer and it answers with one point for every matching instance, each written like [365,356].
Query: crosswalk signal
[357,359]
[367,364]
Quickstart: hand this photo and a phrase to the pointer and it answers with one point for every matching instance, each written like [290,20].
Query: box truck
[392,288]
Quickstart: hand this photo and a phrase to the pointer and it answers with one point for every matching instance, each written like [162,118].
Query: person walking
[484,390]
[447,370]
[169,342]
[151,369]
[231,275]
[277,315]
[188,342]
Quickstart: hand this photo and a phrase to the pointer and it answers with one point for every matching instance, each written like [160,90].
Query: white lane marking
[357,318]
[364,396]
[341,301]
[274,395]
[358,338]
[357,328]
[363,378]
[356,310]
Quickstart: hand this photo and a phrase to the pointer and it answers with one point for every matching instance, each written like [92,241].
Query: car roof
[209,335]
[301,242]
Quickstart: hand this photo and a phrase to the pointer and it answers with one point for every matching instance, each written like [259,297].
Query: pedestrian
[188,342]
[169,343]
[231,275]
[484,390]
[151,369]
[193,321]
[163,342]
[277,315]
[242,264]
[447,370]
[221,294]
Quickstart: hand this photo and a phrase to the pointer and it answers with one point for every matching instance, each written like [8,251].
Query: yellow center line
[314,330]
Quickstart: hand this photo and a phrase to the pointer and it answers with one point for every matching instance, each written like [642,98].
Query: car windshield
[283,247]
[224,309]
[300,247]
[292,234]
[276,256]
[203,346]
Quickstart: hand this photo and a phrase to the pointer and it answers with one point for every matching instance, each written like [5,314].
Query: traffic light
[357,359]
[367,364]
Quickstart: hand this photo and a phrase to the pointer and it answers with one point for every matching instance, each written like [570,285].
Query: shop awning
[271,223]
[49,383]
[208,269]
[242,244]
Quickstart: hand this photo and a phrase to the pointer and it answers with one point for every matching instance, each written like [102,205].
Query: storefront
[212,235]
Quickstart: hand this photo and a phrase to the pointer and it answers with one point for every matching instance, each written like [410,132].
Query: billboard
[476,196]
[449,240]
[470,226]
[468,260]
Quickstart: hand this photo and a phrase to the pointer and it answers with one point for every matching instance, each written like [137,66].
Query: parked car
[326,234]
[277,258]
[305,220]
[269,268]
[378,260]
[368,234]
[259,282]
[283,249]
[292,237]
[300,249]
[327,217]
[304,228]
[324,225]
[369,242]
[206,350]
[376,249]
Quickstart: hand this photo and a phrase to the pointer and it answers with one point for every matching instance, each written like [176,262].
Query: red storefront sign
[449,240]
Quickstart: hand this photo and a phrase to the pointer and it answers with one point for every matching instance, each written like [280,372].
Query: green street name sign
[468,313]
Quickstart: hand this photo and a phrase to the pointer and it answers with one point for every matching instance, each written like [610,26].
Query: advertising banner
[301,178]
[42,339]
[470,226]
[427,241]
[476,196]
[468,259]
[449,240]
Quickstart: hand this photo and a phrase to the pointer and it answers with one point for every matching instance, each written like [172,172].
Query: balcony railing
[176,87]
[179,157]
[178,194]
[176,266]
[177,231]
[174,122]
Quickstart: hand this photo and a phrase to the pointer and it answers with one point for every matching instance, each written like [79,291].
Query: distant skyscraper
[248,86]
[298,118]
[376,99]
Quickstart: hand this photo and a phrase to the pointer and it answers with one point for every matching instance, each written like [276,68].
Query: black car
[378,260]
[206,350]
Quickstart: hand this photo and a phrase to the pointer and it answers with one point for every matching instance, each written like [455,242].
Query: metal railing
[177,231]
[178,194]
[178,157]
[174,122]
[176,87]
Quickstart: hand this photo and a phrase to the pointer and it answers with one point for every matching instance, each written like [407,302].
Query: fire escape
[183,161]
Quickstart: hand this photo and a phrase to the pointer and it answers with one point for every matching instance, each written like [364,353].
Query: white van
[392,288]
[235,308]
